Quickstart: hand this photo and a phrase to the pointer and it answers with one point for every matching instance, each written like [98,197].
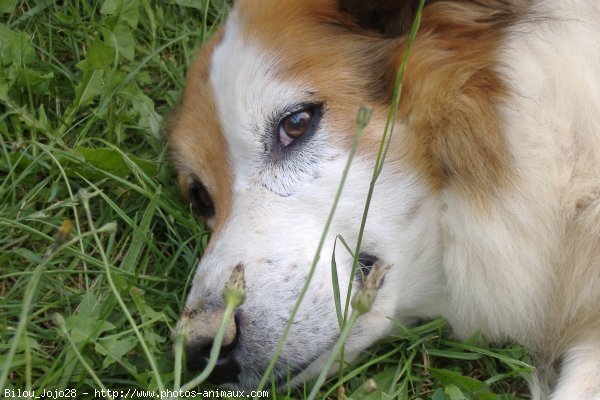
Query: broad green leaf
[121,283]
[112,160]
[7,6]
[123,39]
[451,378]
[90,87]
[84,329]
[146,312]
[115,348]
[15,47]
[455,393]
[99,56]
[89,306]
[43,118]
[111,7]
[153,338]
[439,395]
[106,159]
[148,117]
[36,80]
[126,10]
[382,380]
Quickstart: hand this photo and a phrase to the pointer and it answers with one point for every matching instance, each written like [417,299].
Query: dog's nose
[203,331]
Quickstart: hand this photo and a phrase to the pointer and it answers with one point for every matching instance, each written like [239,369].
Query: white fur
[504,267]
[581,371]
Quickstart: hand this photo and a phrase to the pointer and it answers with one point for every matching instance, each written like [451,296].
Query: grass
[96,247]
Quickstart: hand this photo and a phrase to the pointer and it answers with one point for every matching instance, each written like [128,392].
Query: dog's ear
[387,17]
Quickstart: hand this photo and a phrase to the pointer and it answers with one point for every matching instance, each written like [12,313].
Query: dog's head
[260,138]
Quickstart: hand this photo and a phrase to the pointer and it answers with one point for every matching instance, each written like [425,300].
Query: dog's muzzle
[204,325]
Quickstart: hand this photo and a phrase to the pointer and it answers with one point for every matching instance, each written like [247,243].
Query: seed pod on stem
[235,290]
[365,296]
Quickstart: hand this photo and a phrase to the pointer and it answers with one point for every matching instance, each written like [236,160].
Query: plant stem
[60,320]
[337,348]
[84,197]
[363,117]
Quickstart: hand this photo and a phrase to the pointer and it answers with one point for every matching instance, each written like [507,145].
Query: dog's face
[259,141]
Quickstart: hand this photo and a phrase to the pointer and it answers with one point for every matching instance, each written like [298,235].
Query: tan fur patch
[452,91]
[198,148]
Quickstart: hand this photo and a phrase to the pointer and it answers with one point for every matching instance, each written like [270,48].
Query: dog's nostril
[365,265]
[226,369]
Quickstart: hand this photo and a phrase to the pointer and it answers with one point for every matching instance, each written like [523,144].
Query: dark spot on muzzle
[226,369]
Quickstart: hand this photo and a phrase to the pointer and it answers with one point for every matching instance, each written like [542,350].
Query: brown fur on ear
[452,93]
[452,88]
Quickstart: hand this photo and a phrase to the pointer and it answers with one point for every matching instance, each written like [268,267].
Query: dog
[487,209]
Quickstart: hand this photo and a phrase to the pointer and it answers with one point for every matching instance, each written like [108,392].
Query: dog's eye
[201,200]
[295,125]
[366,262]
